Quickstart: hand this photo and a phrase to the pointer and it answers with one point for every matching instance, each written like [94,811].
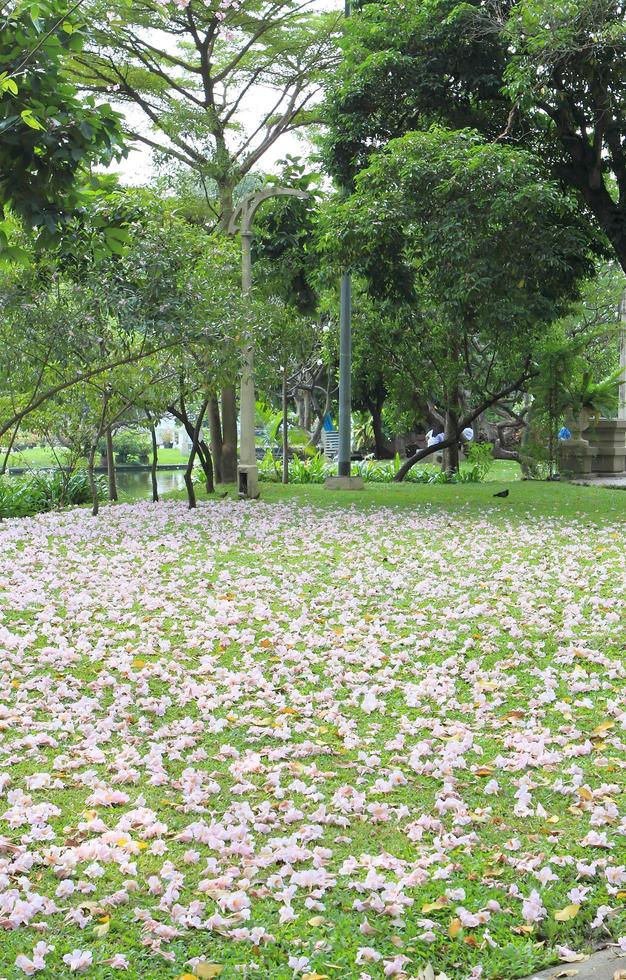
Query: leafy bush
[131,446]
[317,469]
[313,470]
[44,490]
[373,472]
[270,468]
[480,459]
[15,500]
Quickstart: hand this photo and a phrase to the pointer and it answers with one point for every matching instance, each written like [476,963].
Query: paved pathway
[606,965]
[617,482]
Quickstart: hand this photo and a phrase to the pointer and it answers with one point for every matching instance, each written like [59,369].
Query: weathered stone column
[608,441]
[575,454]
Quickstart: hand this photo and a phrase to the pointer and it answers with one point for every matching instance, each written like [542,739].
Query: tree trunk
[202,450]
[299,400]
[5,461]
[285,430]
[451,432]
[215,428]
[204,455]
[191,493]
[382,446]
[155,460]
[321,415]
[307,412]
[112,482]
[92,456]
[95,503]
[225,190]
[229,435]
[509,454]
[526,435]
[597,194]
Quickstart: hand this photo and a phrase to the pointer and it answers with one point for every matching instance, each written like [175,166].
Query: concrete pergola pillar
[241,221]
[621,411]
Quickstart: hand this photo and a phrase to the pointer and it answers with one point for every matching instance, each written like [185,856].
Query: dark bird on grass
[503,493]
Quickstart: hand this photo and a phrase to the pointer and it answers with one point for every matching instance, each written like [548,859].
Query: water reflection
[137,484]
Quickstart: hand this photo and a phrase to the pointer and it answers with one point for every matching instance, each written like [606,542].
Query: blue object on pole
[564,433]
[329,425]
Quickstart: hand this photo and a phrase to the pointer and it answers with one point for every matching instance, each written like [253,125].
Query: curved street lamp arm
[241,218]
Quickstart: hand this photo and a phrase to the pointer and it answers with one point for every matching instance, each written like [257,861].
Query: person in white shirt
[432,440]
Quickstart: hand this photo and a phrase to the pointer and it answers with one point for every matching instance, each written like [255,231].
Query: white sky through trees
[139,166]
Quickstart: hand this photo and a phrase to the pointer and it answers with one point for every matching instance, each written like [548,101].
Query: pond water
[137,484]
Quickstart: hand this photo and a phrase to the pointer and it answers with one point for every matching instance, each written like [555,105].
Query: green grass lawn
[43,456]
[323,734]
[527,501]
[169,456]
[38,456]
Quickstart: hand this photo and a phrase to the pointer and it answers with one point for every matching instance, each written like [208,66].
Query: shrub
[22,496]
[131,446]
[313,470]
[480,459]
[270,468]
[317,469]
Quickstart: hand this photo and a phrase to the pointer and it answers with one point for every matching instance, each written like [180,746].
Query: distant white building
[182,442]
[171,434]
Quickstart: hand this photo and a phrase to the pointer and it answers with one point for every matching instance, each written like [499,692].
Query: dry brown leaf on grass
[605,726]
[428,973]
[566,914]
[203,971]
[316,921]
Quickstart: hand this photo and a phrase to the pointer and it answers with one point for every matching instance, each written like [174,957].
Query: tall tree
[218,84]
[543,75]
[476,251]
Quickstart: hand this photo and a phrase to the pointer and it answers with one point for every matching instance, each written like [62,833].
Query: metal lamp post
[241,221]
[343,480]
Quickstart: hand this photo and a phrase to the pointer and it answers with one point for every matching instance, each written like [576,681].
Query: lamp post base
[344,483]
[248,480]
